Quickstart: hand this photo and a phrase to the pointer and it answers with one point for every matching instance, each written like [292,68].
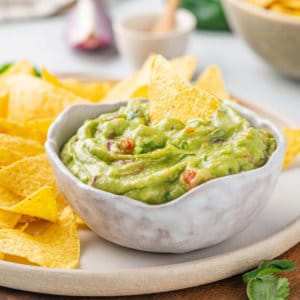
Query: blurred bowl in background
[274,37]
[135,41]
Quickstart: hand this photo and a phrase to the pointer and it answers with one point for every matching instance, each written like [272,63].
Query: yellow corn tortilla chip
[37,227]
[292,4]
[3,103]
[38,129]
[21,226]
[8,220]
[80,223]
[20,67]
[1,256]
[279,8]
[8,156]
[35,130]
[212,82]
[293,145]
[12,128]
[8,198]
[92,91]
[261,3]
[137,86]
[57,247]
[31,98]
[41,204]
[22,146]
[18,260]
[27,175]
[184,66]
[174,97]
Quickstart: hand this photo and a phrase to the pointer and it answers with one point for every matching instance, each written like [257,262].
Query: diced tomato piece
[190,130]
[126,145]
[138,170]
[188,177]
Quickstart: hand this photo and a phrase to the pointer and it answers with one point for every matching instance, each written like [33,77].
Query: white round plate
[110,270]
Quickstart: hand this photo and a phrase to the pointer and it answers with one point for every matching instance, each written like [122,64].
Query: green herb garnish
[263,284]
[5,67]
[209,13]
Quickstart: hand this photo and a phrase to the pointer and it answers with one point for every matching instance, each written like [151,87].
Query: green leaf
[37,72]
[209,13]
[268,287]
[5,67]
[269,267]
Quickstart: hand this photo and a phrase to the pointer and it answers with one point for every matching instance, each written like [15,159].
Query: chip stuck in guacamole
[124,153]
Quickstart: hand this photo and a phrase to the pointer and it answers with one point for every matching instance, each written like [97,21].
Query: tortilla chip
[137,86]
[41,204]
[18,260]
[80,223]
[27,175]
[261,3]
[92,91]
[57,247]
[8,156]
[8,198]
[174,97]
[3,103]
[22,146]
[184,66]
[20,67]
[292,4]
[212,82]
[21,226]
[293,145]
[1,256]
[279,8]
[12,128]
[35,130]
[38,129]
[31,98]
[8,220]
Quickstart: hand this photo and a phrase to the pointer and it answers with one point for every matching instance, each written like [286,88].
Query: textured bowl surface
[205,216]
[274,37]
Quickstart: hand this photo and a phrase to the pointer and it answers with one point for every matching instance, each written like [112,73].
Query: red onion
[89,26]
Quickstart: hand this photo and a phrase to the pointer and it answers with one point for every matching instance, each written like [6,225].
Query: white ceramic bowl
[275,37]
[136,44]
[205,216]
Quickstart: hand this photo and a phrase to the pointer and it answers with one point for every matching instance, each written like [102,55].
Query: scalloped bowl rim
[50,146]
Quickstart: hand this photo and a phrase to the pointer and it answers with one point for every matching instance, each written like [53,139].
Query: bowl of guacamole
[168,186]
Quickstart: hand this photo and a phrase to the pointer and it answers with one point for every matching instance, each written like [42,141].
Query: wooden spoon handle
[167,21]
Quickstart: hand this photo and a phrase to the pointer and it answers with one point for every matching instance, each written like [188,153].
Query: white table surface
[43,42]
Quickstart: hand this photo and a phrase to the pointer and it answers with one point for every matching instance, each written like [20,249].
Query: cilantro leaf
[36,72]
[268,287]
[263,284]
[269,267]
[5,67]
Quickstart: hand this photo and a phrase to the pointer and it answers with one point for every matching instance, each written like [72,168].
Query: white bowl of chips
[272,34]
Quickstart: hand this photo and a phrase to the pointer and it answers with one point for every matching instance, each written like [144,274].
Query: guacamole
[124,153]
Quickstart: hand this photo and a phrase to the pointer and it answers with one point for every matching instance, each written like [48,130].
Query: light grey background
[43,42]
